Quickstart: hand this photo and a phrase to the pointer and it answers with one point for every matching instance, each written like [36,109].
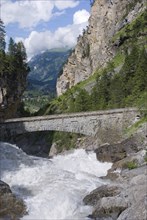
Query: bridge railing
[69,115]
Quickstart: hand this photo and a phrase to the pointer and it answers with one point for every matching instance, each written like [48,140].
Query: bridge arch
[87,123]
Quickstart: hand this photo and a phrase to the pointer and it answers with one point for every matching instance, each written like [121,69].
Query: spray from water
[52,189]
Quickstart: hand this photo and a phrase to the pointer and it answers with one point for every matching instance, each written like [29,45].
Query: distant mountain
[45,68]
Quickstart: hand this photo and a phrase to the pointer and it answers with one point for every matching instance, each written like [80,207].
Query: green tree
[128,70]
[71,103]
[2,36]
[94,98]
[11,47]
[82,101]
[116,92]
[104,90]
[20,54]
[20,60]
[140,77]
[2,63]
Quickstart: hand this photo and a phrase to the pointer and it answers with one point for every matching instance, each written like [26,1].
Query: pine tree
[140,78]
[128,70]
[2,36]
[104,90]
[94,98]
[82,101]
[21,51]
[116,92]
[71,103]
[20,58]
[11,47]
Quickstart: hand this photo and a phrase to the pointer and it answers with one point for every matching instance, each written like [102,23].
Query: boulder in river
[115,152]
[11,207]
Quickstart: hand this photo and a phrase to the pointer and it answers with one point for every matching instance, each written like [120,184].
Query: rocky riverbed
[125,197]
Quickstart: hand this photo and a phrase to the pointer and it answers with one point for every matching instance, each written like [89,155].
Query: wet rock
[137,159]
[53,150]
[36,143]
[137,211]
[11,207]
[4,188]
[115,152]
[109,208]
[130,174]
[100,192]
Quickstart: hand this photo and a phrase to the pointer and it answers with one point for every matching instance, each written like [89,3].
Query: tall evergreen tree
[116,92]
[82,101]
[140,78]
[11,47]
[2,36]
[20,58]
[21,51]
[103,90]
[127,71]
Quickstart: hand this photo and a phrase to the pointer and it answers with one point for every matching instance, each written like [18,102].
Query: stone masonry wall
[89,123]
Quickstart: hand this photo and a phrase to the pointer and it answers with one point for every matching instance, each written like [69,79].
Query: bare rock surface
[115,152]
[93,49]
[102,191]
[109,208]
[11,207]
[125,198]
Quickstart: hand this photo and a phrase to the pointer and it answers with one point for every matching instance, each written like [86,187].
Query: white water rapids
[52,189]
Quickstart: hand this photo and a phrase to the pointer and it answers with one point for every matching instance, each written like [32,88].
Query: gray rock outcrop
[125,195]
[94,48]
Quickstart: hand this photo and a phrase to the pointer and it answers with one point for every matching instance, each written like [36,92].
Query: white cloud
[81,16]
[29,13]
[61,5]
[62,37]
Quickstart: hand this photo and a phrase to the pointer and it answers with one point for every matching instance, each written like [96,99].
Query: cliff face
[10,94]
[94,49]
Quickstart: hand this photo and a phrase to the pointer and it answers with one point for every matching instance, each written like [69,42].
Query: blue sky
[45,24]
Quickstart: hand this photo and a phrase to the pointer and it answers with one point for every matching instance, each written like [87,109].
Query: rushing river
[52,188]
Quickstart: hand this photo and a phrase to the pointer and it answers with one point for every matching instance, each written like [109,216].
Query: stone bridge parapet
[87,123]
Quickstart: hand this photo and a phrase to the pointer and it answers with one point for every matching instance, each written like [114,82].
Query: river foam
[52,189]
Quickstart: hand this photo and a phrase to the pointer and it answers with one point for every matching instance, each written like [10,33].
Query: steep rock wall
[93,49]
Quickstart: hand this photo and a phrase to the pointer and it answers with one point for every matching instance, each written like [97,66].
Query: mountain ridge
[45,68]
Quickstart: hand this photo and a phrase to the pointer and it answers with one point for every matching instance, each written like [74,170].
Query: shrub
[131,165]
[145,157]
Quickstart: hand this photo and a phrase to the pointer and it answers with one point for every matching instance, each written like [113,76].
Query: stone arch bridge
[87,123]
